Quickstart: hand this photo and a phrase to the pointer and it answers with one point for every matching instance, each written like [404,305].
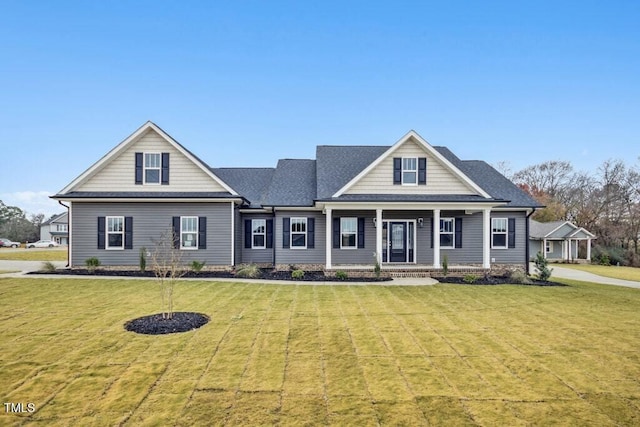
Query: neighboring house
[558,240]
[347,208]
[56,228]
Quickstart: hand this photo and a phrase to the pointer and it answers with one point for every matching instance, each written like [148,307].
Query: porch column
[588,249]
[379,235]
[544,248]
[328,237]
[486,238]
[436,238]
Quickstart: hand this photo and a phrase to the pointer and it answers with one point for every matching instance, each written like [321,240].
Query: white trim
[436,238]
[144,199]
[402,170]
[263,234]
[144,168]
[355,234]
[107,232]
[130,140]
[69,234]
[486,238]
[195,247]
[579,229]
[404,206]
[429,149]
[414,240]
[306,231]
[559,227]
[328,235]
[453,233]
[506,233]
[379,220]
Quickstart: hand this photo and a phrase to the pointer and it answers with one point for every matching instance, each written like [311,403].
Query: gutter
[68,232]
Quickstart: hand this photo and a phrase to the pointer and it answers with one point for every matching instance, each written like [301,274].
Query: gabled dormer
[412,166]
[149,161]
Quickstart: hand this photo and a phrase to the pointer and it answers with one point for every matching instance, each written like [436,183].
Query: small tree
[542,265]
[166,261]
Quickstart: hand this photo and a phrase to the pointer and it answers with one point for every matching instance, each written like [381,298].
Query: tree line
[607,203]
[16,226]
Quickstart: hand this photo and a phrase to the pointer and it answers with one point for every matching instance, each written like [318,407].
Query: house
[349,207]
[558,240]
[56,229]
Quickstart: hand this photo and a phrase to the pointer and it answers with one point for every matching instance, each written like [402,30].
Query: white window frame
[183,232]
[549,247]
[452,232]
[410,170]
[353,233]
[107,233]
[298,221]
[145,168]
[256,223]
[505,233]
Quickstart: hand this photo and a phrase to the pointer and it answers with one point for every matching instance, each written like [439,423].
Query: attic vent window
[152,166]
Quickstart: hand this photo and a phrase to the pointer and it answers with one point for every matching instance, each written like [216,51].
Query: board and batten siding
[119,173]
[150,220]
[299,256]
[440,180]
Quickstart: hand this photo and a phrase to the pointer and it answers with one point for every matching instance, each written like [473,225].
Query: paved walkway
[570,273]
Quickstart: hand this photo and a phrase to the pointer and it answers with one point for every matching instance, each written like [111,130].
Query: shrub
[143,259]
[542,265]
[197,265]
[609,255]
[520,277]
[48,266]
[92,263]
[341,275]
[445,265]
[297,274]
[376,266]
[248,271]
[470,278]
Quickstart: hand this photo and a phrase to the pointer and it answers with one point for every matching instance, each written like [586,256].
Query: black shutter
[176,232]
[361,232]
[165,168]
[128,232]
[431,223]
[422,170]
[458,235]
[397,170]
[139,168]
[269,233]
[202,232]
[101,233]
[247,233]
[286,230]
[511,233]
[311,233]
[336,233]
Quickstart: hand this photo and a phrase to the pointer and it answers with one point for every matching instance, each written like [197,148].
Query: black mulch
[267,274]
[495,280]
[156,325]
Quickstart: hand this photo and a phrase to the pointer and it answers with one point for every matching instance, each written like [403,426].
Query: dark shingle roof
[251,183]
[293,184]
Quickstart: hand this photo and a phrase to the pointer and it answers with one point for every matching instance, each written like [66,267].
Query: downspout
[273,237]
[68,232]
[526,247]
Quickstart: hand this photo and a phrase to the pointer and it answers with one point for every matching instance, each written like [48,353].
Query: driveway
[570,273]
[26,266]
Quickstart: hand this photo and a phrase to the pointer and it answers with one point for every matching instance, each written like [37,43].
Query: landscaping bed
[156,324]
[494,280]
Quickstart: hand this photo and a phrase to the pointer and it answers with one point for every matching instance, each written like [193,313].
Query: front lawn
[313,354]
[54,254]
[624,273]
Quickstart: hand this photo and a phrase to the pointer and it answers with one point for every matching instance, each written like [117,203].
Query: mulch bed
[155,324]
[309,276]
[495,280]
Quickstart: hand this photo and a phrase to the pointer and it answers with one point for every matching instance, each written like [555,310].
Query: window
[115,232]
[499,228]
[152,166]
[258,233]
[189,232]
[61,227]
[549,247]
[447,233]
[348,232]
[409,171]
[299,233]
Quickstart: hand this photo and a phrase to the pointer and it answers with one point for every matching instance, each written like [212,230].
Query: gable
[440,177]
[116,172]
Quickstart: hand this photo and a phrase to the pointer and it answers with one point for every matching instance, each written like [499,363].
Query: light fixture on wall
[375,222]
[420,222]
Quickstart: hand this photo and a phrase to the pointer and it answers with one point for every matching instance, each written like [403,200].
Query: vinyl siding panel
[119,174]
[150,220]
[440,180]
[514,255]
[300,256]
[250,255]
[361,256]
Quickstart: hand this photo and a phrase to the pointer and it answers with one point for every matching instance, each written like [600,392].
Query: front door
[398,242]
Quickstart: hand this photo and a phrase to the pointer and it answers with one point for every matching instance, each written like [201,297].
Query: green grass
[315,355]
[55,254]
[624,273]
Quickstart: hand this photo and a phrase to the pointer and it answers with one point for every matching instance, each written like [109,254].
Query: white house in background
[56,228]
[558,240]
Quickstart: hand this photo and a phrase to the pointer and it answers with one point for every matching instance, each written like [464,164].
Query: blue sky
[245,83]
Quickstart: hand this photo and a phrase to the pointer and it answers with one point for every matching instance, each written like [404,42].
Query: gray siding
[250,255]
[357,255]
[300,256]
[149,221]
[515,255]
